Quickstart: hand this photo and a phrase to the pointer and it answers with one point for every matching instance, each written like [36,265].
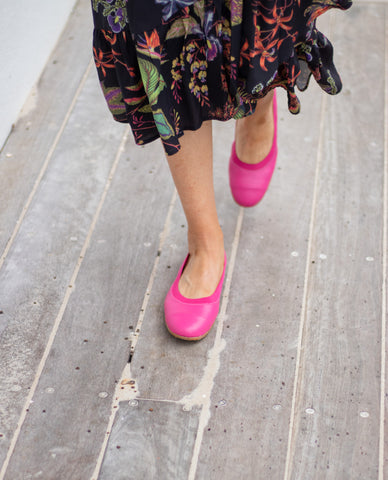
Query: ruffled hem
[210,60]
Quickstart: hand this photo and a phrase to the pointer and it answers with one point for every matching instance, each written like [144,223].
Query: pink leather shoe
[188,318]
[249,182]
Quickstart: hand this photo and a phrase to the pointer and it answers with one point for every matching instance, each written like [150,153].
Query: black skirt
[165,66]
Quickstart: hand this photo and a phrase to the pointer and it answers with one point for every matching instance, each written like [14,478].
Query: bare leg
[254,134]
[192,171]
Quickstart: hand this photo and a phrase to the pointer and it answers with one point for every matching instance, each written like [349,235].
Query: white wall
[29,30]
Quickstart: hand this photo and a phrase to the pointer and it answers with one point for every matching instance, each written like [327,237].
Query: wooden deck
[291,382]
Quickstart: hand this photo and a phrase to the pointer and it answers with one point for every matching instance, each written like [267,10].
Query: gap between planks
[163,236]
[287,473]
[201,398]
[71,282]
[118,395]
[302,325]
[212,366]
[45,166]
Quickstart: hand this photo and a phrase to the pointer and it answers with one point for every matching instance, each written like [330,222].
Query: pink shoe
[187,318]
[249,182]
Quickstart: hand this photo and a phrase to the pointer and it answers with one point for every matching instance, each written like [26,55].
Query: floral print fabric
[165,66]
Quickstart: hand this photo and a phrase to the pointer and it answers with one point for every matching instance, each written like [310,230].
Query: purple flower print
[213,43]
[172,6]
[115,20]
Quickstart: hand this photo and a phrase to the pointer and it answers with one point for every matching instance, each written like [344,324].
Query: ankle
[254,136]
[207,244]
[250,127]
[204,267]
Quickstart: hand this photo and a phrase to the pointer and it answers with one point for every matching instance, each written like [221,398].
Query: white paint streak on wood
[45,166]
[297,378]
[201,395]
[384,282]
[69,289]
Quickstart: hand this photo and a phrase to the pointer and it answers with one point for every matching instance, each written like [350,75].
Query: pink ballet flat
[249,182]
[187,318]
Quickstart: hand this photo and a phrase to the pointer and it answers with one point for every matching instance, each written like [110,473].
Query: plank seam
[126,372]
[63,307]
[163,236]
[303,316]
[211,368]
[45,165]
[384,279]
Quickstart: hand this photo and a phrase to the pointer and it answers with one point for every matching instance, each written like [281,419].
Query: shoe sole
[189,339]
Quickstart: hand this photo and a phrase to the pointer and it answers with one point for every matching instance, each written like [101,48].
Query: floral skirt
[165,66]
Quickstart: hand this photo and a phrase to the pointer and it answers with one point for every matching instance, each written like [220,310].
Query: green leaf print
[240,110]
[199,9]
[333,87]
[109,8]
[181,28]
[114,99]
[164,128]
[146,109]
[152,80]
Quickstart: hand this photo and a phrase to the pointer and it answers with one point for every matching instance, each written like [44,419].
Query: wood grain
[162,355]
[290,389]
[150,441]
[250,402]
[36,276]
[30,144]
[92,344]
[340,365]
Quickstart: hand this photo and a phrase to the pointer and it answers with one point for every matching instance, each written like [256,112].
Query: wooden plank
[36,274]
[158,353]
[150,441]
[383,442]
[250,401]
[27,148]
[337,407]
[59,438]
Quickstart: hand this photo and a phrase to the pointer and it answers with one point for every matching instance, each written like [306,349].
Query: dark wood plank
[150,441]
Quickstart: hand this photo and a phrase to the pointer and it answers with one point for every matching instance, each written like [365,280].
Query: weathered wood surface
[340,365]
[295,356]
[157,349]
[92,344]
[150,440]
[30,146]
[36,275]
[251,399]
